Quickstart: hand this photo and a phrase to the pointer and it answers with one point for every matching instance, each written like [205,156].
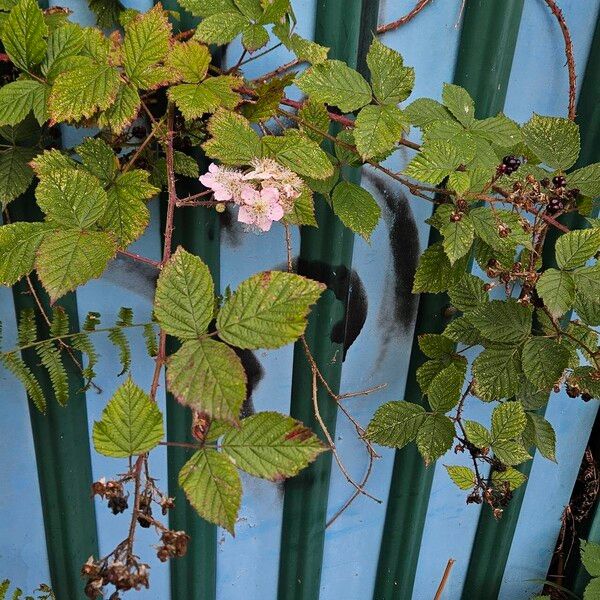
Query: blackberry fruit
[559,181]
[545,182]
[510,164]
[145,509]
[117,504]
[555,205]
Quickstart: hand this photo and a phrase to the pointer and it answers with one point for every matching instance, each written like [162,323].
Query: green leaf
[24,33]
[508,422]
[213,487]
[463,477]
[131,423]
[511,476]
[392,82]
[271,446]
[508,322]
[195,100]
[575,248]
[50,357]
[378,129]
[206,8]
[123,110]
[554,140]
[71,198]
[587,282]
[424,111]
[587,309]
[497,373]
[510,452]
[468,293]
[395,424]
[557,290]
[436,161]
[208,376]
[146,43]
[98,158]
[18,246]
[185,296]
[590,557]
[82,91]
[268,310]
[189,60]
[333,82]
[299,153]
[70,257]
[488,223]
[221,28]
[444,391]
[15,173]
[586,180]
[544,361]
[15,364]
[458,101]
[233,141]
[356,208]
[498,130]
[434,345]
[542,435]
[254,37]
[126,212]
[458,238]
[461,330]
[427,372]
[303,212]
[477,434]
[250,8]
[269,96]
[435,436]
[592,590]
[435,273]
[19,98]
[64,43]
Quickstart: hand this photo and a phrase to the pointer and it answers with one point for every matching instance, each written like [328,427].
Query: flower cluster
[264,194]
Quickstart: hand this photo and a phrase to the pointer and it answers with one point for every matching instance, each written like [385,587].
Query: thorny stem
[139,258]
[419,6]
[278,71]
[444,581]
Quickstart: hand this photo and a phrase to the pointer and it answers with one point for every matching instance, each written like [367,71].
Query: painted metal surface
[248,566]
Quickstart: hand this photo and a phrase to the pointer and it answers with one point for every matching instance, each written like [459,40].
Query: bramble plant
[498,189]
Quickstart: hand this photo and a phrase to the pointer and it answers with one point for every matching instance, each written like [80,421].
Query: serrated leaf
[554,140]
[268,310]
[271,446]
[71,198]
[314,116]
[189,60]
[378,129]
[213,487]
[206,8]
[69,258]
[435,436]
[508,422]
[434,345]
[395,424]
[575,248]
[498,130]
[266,104]
[391,81]
[64,43]
[146,43]
[463,477]
[356,208]
[184,301]
[21,371]
[424,111]
[434,272]
[299,153]
[468,293]
[557,290]
[458,101]
[24,33]
[544,361]
[18,246]
[131,423]
[590,557]
[477,434]
[444,391]
[510,452]
[587,309]
[511,476]
[592,590]
[195,100]
[80,92]
[250,8]
[121,343]
[508,322]
[541,434]
[221,28]
[333,82]
[15,173]
[586,180]
[488,223]
[435,162]
[233,141]
[458,238]
[208,376]
[98,158]
[19,98]
[123,110]
[305,49]
[303,212]
[254,37]
[497,373]
[50,358]
[461,330]
[587,281]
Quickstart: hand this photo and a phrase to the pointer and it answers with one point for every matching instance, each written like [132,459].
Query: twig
[278,71]
[444,580]
[288,245]
[140,149]
[558,13]
[419,6]
[140,258]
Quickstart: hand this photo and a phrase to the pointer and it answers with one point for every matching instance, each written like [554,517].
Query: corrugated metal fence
[509,55]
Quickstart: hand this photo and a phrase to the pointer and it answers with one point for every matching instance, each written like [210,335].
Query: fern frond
[117,337]
[27,327]
[21,371]
[83,343]
[125,317]
[150,339]
[51,359]
[59,326]
[92,320]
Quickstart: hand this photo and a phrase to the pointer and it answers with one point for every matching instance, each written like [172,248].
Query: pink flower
[260,208]
[225,183]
